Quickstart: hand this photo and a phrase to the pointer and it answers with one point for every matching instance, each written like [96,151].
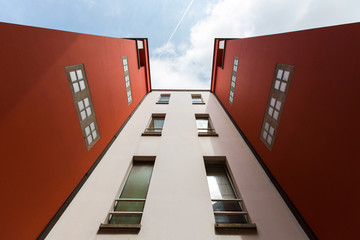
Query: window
[155,125]
[220,54]
[229,209]
[164,99]
[128,208]
[141,53]
[127,79]
[280,86]
[197,99]
[233,80]
[204,125]
[81,95]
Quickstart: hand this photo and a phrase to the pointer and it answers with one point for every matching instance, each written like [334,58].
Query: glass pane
[125,219]
[221,188]
[156,124]
[203,125]
[230,219]
[164,99]
[136,186]
[196,99]
[219,184]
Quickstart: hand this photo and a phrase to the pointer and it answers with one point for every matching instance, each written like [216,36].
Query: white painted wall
[178,204]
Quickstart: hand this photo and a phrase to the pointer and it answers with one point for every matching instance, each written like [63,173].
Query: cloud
[189,66]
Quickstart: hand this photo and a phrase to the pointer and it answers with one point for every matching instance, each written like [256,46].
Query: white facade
[178,202]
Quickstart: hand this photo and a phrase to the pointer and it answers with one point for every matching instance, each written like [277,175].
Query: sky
[181,33]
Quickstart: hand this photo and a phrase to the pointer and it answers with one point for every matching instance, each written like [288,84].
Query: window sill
[233,227]
[208,134]
[158,134]
[198,103]
[162,103]
[119,228]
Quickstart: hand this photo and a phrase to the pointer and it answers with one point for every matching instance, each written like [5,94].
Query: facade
[64,96]
[311,142]
[90,151]
[178,202]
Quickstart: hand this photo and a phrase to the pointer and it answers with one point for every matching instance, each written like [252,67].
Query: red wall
[315,153]
[43,153]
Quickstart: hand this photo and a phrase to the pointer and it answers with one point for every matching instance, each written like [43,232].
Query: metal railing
[112,213]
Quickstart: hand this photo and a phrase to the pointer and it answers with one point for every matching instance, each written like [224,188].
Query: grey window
[229,209]
[204,125]
[155,125]
[164,99]
[197,99]
[129,205]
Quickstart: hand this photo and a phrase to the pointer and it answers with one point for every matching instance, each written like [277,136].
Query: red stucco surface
[43,153]
[315,153]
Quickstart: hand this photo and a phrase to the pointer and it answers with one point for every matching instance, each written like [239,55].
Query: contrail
[177,26]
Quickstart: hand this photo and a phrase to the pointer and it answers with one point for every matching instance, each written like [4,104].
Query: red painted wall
[43,153]
[315,153]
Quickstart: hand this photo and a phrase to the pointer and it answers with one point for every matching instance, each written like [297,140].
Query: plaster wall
[178,203]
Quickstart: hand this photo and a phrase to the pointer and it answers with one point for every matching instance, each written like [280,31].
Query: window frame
[212,132]
[89,126]
[221,161]
[198,96]
[274,110]
[164,95]
[105,226]
[147,132]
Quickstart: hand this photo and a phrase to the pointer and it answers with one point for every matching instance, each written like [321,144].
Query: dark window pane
[136,186]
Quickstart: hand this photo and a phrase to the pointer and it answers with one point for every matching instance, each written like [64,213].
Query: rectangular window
[220,54]
[155,125]
[164,99]
[233,80]
[81,95]
[127,79]
[204,125]
[197,99]
[128,208]
[229,209]
[277,96]
[141,53]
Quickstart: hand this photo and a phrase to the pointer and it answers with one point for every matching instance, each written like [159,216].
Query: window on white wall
[82,99]
[197,99]
[277,96]
[128,207]
[164,99]
[204,125]
[155,126]
[228,206]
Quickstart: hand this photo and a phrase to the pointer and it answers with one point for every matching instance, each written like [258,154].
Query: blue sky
[185,60]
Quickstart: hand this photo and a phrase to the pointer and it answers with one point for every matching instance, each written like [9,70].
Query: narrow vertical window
[233,80]
[220,54]
[140,53]
[229,209]
[204,125]
[127,79]
[197,99]
[128,207]
[155,125]
[81,95]
[164,99]
[277,96]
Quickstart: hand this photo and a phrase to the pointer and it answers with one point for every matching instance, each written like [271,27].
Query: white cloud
[190,67]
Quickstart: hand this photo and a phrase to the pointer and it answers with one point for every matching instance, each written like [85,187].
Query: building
[278,127]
